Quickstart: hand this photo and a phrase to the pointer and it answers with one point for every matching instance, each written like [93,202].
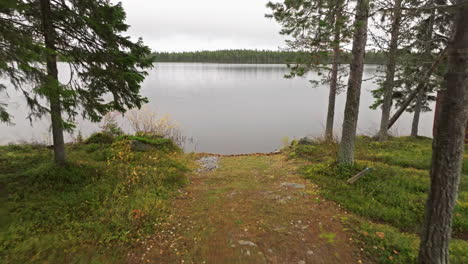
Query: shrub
[110,125]
[156,142]
[146,122]
[100,138]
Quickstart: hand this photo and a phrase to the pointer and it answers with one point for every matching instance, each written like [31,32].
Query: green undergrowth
[388,245]
[157,142]
[88,211]
[393,193]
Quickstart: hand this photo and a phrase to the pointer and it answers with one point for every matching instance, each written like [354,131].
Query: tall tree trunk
[419,91]
[390,72]
[422,92]
[334,73]
[52,82]
[417,113]
[447,148]
[421,85]
[348,138]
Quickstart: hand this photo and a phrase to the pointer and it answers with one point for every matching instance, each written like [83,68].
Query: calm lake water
[231,108]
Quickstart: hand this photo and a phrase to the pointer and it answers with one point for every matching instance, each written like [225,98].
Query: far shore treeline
[259,56]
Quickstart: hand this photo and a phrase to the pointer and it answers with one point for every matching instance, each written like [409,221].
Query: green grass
[394,193]
[159,142]
[88,211]
[388,245]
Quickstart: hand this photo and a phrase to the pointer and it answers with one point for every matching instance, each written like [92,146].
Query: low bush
[100,138]
[88,211]
[157,142]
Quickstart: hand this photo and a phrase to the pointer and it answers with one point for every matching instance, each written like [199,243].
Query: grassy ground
[392,194]
[108,198]
[89,211]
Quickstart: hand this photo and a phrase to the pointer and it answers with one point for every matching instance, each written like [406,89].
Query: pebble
[293,185]
[246,243]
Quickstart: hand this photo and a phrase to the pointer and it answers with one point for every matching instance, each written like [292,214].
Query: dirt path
[252,209]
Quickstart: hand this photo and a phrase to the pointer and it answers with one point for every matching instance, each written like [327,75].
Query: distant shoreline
[262,57]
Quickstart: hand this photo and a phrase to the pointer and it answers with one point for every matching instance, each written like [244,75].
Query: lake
[232,108]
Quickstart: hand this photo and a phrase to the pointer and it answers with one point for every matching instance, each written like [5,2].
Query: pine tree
[348,138]
[448,147]
[390,69]
[319,28]
[420,68]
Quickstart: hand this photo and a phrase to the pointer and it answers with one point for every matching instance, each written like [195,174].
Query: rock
[310,252]
[208,164]
[284,199]
[301,262]
[246,243]
[293,185]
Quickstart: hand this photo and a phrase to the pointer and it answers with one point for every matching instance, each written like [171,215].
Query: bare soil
[252,209]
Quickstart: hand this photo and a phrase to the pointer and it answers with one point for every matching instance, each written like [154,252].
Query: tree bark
[390,72]
[447,148]
[334,74]
[417,113]
[348,138]
[52,82]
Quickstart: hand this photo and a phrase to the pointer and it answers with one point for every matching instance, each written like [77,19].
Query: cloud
[189,25]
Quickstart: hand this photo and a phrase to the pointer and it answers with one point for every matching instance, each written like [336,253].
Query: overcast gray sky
[188,25]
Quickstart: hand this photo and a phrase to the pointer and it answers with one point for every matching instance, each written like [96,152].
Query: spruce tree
[106,66]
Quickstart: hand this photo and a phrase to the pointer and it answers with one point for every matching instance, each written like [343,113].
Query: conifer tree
[319,28]
[348,137]
[448,146]
[106,66]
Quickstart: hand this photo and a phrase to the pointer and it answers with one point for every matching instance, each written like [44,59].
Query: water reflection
[236,108]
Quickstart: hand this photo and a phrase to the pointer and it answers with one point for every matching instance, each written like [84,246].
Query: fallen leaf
[380,234]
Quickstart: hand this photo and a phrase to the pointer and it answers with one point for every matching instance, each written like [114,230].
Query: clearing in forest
[252,209]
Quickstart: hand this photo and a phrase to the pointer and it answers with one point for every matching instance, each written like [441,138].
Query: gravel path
[208,164]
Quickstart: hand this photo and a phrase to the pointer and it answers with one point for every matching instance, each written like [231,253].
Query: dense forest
[258,56]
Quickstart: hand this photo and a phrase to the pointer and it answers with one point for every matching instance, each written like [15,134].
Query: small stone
[293,185]
[301,262]
[310,252]
[247,243]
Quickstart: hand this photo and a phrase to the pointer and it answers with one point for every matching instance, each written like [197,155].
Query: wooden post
[358,176]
